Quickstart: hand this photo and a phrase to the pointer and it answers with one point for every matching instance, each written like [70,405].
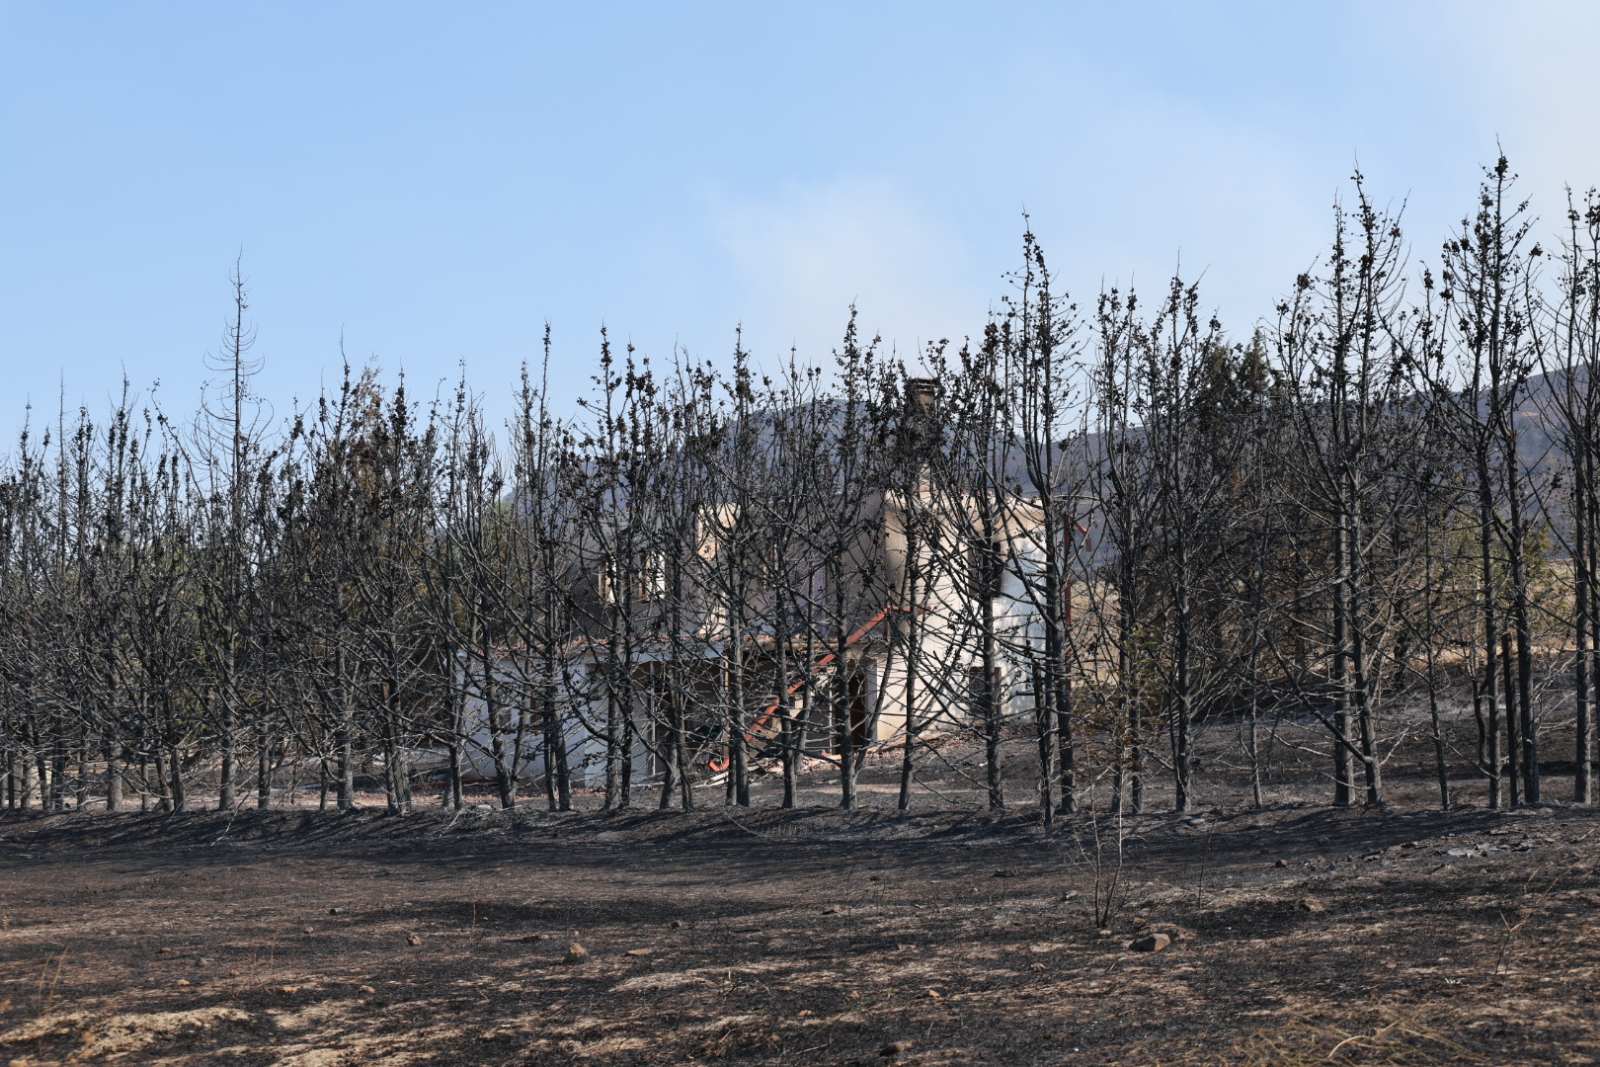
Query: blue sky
[431,183]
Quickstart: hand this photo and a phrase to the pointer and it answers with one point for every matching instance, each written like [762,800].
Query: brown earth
[1297,934]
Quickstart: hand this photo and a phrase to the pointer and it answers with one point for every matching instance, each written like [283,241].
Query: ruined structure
[891,638]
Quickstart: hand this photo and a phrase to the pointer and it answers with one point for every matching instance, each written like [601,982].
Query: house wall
[949,636]
[583,702]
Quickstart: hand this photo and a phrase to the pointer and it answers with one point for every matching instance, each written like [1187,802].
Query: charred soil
[1292,934]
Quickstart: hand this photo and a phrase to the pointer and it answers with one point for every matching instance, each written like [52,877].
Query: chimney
[922,399]
[919,423]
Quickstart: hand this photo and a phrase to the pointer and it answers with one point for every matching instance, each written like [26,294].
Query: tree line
[1136,555]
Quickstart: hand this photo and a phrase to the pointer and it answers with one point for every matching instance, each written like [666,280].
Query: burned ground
[1298,934]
